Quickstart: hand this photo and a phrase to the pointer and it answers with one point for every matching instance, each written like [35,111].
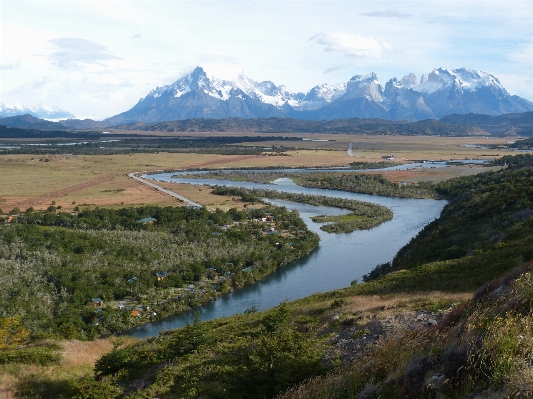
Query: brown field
[100,180]
[77,361]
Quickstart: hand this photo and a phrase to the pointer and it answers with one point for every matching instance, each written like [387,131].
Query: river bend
[338,260]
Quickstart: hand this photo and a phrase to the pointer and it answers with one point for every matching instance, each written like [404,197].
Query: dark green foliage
[365,184]
[247,356]
[372,165]
[515,161]
[96,143]
[484,231]
[289,125]
[88,388]
[69,259]
[277,319]
[41,355]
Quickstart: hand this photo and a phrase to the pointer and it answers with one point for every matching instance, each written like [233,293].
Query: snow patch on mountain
[464,79]
[440,93]
[43,111]
[222,80]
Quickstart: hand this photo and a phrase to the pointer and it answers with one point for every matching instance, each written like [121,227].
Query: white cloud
[350,45]
[386,14]
[338,67]
[73,50]
[524,55]
[9,66]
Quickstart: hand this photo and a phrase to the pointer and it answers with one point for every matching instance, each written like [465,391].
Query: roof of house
[161,274]
[97,300]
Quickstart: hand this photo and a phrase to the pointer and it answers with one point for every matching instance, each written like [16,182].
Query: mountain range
[42,111]
[208,94]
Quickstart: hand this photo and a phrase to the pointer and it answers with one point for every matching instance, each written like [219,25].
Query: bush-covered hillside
[102,271]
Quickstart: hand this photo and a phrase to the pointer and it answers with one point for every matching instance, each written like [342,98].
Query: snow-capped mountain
[321,95]
[229,93]
[43,111]
[212,91]
[463,91]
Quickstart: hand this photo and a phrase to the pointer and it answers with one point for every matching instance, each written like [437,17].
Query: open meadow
[66,180]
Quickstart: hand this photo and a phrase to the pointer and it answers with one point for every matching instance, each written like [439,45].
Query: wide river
[338,260]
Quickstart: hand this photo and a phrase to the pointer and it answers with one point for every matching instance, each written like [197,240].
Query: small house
[270,218]
[290,245]
[160,276]
[132,280]
[135,313]
[97,302]
[147,221]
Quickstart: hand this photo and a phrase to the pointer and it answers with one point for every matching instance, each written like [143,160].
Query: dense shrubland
[53,265]
[367,184]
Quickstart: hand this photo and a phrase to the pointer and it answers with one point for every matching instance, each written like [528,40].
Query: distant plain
[100,180]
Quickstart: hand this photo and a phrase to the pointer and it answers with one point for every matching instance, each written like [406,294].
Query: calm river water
[339,259]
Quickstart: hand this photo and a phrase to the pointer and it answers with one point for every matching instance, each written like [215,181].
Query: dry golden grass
[83,354]
[101,180]
[202,195]
[437,174]
[389,304]
[78,360]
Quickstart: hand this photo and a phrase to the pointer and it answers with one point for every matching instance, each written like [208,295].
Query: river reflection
[338,260]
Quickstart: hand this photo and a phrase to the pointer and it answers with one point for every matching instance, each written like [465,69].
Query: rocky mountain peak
[409,80]
[224,91]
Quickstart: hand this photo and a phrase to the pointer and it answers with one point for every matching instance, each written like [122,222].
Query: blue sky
[98,58]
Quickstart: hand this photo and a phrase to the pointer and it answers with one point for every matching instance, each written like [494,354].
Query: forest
[375,126]
[55,267]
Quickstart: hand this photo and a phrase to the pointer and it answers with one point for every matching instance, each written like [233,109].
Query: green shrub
[34,355]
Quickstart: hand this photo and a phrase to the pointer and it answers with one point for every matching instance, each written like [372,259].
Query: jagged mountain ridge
[43,111]
[208,94]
